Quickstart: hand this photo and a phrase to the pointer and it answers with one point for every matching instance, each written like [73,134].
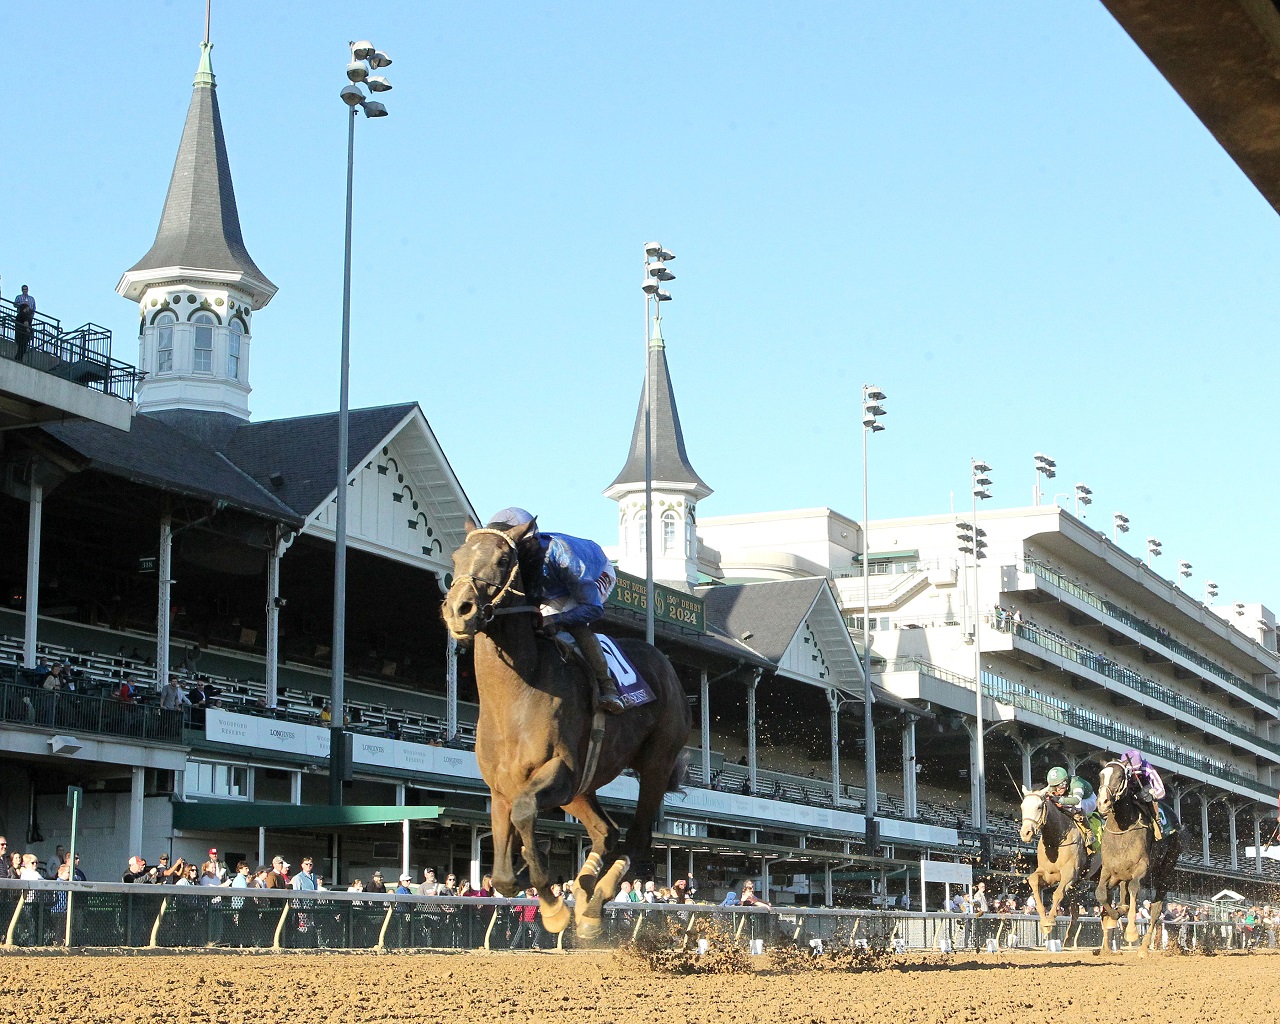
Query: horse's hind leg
[1033,880]
[604,835]
[550,786]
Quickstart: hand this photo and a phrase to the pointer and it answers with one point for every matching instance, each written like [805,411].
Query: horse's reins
[1115,799]
[491,610]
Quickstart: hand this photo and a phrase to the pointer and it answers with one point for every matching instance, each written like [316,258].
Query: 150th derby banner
[668,605]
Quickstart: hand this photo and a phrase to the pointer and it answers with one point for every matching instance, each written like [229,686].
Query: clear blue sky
[998,212]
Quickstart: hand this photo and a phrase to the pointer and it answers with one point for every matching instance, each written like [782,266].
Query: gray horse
[1130,855]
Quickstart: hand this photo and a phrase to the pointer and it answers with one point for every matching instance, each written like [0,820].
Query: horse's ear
[469,526]
[1026,792]
[519,533]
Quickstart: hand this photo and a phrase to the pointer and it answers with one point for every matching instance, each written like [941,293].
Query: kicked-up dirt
[612,988]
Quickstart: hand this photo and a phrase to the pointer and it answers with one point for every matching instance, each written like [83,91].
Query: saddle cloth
[633,690]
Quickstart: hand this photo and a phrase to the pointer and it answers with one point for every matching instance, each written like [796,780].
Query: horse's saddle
[632,688]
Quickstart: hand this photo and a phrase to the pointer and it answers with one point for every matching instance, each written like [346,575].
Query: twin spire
[200,226]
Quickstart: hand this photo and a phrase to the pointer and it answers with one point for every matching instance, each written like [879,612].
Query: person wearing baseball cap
[376,883]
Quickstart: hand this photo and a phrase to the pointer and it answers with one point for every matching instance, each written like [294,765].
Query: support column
[909,766]
[137,793]
[751,729]
[35,519]
[476,873]
[451,688]
[1257,841]
[273,619]
[262,845]
[1073,762]
[975,783]
[704,706]
[404,847]
[163,600]
[1231,835]
[1024,750]
[833,702]
[830,887]
[1204,827]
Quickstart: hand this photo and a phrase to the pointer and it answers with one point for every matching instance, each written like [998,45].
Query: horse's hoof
[1131,936]
[587,929]
[555,917]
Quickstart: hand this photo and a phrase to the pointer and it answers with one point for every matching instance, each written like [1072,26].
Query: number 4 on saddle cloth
[633,690]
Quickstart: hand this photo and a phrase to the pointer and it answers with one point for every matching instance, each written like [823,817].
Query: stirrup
[609,700]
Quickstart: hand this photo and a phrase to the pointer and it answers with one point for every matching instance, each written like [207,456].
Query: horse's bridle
[1039,822]
[492,607]
[1114,798]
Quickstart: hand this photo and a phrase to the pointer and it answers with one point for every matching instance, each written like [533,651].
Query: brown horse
[1130,855]
[1061,860]
[535,728]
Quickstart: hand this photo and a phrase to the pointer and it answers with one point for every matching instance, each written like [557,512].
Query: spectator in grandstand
[450,887]
[376,883]
[278,877]
[210,873]
[260,877]
[173,697]
[306,878]
[30,871]
[357,885]
[6,868]
[405,886]
[486,887]
[749,897]
[429,886]
[191,876]
[680,891]
[15,864]
[127,692]
[241,879]
[650,893]
[623,895]
[139,872]
[56,861]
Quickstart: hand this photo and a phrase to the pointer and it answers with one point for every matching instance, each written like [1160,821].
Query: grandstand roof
[300,451]
[157,455]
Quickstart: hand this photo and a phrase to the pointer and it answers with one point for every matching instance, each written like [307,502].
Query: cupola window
[203,362]
[164,342]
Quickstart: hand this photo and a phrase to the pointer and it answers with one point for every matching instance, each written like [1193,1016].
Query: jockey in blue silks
[570,583]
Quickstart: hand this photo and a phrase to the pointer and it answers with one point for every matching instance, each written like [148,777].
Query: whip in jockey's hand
[569,578]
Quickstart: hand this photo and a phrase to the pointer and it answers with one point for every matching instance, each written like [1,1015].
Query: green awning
[278,816]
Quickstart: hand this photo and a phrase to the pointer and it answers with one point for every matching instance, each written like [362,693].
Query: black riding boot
[589,644]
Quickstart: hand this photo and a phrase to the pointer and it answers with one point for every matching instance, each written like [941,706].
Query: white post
[35,516]
[162,610]
[451,688]
[1257,841]
[704,705]
[1231,833]
[751,729]
[262,845]
[476,873]
[909,765]
[975,776]
[404,847]
[833,702]
[137,794]
[980,759]
[273,619]
[830,885]
[1204,827]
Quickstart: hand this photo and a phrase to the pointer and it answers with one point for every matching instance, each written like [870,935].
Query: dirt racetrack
[605,988]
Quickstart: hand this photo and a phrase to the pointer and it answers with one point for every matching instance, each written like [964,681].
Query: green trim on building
[276,816]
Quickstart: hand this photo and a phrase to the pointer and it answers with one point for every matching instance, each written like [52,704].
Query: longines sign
[313,741]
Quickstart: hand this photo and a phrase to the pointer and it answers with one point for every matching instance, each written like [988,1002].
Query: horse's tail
[675,784]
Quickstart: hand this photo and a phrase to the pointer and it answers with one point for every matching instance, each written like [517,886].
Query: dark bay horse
[1130,855]
[1061,860]
[536,719]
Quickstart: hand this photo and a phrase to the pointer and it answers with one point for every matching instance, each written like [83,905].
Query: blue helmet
[509,517]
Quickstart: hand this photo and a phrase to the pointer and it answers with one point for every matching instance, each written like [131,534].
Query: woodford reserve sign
[668,605]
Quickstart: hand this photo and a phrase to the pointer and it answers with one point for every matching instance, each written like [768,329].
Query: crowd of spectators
[29,867]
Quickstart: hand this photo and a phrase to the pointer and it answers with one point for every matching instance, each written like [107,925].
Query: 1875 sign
[668,605]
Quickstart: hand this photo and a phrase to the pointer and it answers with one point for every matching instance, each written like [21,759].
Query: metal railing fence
[23,703]
[109,915]
[81,355]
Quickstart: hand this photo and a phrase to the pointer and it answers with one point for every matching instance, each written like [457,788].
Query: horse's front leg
[1109,916]
[1033,880]
[1131,929]
[505,846]
[550,786]
[588,892]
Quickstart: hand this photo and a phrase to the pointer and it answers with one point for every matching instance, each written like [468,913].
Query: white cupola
[677,488]
[197,287]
